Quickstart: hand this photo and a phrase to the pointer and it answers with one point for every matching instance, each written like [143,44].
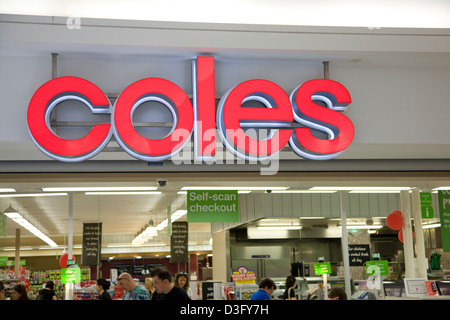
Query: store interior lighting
[93,189]
[149,231]
[25,195]
[362,189]
[432,225]
[364,226]
[279,227]
[304,191]
[17,217]
[116,193]
[236,188]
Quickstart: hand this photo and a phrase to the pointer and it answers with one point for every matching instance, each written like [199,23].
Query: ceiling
[122,216]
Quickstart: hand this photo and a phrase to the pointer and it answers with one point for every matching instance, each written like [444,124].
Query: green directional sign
[377,267]
[322,268]
[212,206]
[426,204]
[444,214]
[70,275]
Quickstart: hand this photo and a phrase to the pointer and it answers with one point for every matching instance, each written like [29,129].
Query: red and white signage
[288,119]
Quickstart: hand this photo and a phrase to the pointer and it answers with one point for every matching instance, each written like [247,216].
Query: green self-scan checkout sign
[322,268]
[70,275]
[212,206]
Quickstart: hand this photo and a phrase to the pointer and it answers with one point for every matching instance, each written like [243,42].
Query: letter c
[46,98]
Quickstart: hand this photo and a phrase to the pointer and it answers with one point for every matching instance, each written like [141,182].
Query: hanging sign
[70,275]
[179,242]
[322,268]
[444,213]
[315,106]
[377,267]
[426,205]
[358,254]
[92,244]
[212,206]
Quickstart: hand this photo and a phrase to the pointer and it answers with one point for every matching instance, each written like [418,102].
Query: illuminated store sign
[288,119]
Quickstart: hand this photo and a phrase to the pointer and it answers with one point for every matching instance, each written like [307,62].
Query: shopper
[165,288]
[133,291]
[2,291]
[48,292]
[102,289]
[182,281]
[149,286]
[337,293]
[266,288]
[291,284]
[19,292]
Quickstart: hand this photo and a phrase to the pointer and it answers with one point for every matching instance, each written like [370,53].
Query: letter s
[339,128]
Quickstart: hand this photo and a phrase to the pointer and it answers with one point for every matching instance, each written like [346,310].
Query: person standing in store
[2,291]
[289,293]
[337,293]
[19,292]
[102,287]
[48,292]
[182,281]
[165,289]
[149,286]
[133,291]
[266,288]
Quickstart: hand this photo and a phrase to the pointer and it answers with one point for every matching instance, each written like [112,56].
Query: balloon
[63,260]
[400,235]
[395,220]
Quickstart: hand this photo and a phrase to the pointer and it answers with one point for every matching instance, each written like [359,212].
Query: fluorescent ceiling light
[361,188]
[441,188]
[87,189]
[7,190]
[433,225]
[305,191]
[24,195]
[16,217]
[106,193]
[239,191]
[312,218]
[235,188]
[375,191]
[279,227]
[364,227]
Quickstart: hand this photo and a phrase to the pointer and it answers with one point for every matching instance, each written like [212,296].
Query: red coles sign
[288,119]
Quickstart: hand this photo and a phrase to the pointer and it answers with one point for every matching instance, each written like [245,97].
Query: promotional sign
[243,276]
[70,275]
[92,244]
[358,254]
[179,242]
[313,107]
[212,206]
[426,205]
[3,261]
[321,268]
[444,213]
[378,267]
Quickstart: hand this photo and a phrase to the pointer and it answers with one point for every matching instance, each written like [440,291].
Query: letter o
[165,92]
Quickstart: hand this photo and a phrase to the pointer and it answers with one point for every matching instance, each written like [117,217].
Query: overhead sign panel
[444,213]
[212,206]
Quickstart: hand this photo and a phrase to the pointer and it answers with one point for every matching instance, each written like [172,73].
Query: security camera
[269,191]
[162,182]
